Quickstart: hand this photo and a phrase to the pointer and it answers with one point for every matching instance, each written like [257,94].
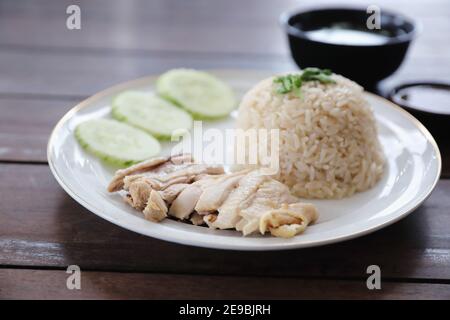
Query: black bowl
[425,98]
[366,64]
[428,102]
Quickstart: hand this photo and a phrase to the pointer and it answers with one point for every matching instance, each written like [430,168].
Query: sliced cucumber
[200,93]
[150,113]
[116,142]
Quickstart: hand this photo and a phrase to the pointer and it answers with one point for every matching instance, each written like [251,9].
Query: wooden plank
[78,74]
[174,25]
[73,73]
[152,25]
[51,284]
[25,126]
[41,226]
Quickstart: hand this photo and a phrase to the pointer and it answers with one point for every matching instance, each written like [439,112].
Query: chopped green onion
[293,82]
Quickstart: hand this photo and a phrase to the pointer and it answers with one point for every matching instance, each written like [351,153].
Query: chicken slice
[171,192]
[117,182]
[193,171]
[154,182]
[185,174]
[139,188]
[159,166]
[215,194]
[289,220]
[156,165]
[270,195]
[184,204]
[209,219]
[156,209]
[138,195]
[196,219]
[237,200]
[182,158]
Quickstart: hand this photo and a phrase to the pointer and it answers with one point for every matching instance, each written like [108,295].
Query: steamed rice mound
[329,146]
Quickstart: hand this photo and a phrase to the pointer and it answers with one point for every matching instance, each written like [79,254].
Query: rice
[329,146]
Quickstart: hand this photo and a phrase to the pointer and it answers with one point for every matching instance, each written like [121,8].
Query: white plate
[412,171]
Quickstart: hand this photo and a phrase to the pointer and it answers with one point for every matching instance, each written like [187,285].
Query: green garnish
[293,82]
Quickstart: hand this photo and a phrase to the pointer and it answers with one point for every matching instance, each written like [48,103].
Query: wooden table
[45,69]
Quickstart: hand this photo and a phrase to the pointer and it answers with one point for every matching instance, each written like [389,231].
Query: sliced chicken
[117,182]
[209,219]
[139,185]
[185,174]
[270,195]
[238,200]
[181,158]
[154,182]
[156,209]
[196,219]
[171,192]
[289,220]
[193,171]
[249,201]
[139,192]
[188,198]
[184,204]
[215,194]
[160,165]
[186,201]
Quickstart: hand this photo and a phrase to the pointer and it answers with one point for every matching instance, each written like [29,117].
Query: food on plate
[249,200]
[151,113]
[115,142]
[329,146]
[198,92]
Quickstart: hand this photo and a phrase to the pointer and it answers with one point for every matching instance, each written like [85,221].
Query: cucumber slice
[150,113]
[200,93]
[116,142]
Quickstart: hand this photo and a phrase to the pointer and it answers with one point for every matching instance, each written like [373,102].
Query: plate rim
[198,243]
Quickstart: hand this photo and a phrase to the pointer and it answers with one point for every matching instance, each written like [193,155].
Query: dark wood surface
[46,69]
[51,284]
